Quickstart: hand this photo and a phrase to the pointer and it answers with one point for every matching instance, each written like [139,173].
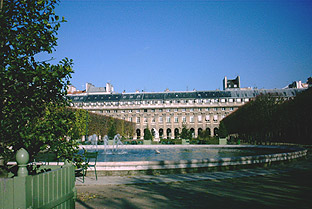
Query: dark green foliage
[272,119]
[147,134]
[112,130]
[186,133]
[309,81]
[204,135]
[222,130]
[32,93]
[205,140]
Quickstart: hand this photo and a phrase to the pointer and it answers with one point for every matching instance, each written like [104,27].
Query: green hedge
[270,118]
[92,123]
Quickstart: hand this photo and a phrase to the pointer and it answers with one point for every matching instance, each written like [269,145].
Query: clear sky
[185,45]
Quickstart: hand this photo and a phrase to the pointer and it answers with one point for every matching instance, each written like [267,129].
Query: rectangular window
[199,118]
[207,117]
[138,119]
[183,110]
[130,119]
[176,119]
[184,119]
[145,120]
[191,119]
[153,120]
[168,119]
[215,118]
[160,119]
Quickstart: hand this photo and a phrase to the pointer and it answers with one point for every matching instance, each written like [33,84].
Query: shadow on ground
[289,189]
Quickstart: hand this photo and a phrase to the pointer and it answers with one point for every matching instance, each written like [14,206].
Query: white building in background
[297,85]
[91,89]
[165,113]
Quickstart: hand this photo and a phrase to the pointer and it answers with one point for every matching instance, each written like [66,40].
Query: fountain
[154,159]
[117,142]
[94,141]
[105,143]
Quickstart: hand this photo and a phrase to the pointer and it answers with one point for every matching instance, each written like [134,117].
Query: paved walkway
[169,178]
[280,186]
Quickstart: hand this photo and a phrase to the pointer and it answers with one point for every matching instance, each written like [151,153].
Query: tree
[147,134]
[309,81]
[222,130]
[186,134]
[31,89]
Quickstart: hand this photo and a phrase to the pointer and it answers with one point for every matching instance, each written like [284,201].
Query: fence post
[22,198]
[22,158]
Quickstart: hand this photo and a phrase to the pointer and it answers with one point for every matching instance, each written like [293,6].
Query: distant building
[165,113]
[91,89]
[297,85]
[231,84]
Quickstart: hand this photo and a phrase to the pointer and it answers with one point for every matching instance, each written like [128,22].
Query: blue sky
[186,45]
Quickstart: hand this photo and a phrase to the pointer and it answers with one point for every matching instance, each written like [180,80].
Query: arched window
[192,130]
[168,132]
[161,132]
[208,131]
[216,132]
[138,132]
[176,133]
[200,131]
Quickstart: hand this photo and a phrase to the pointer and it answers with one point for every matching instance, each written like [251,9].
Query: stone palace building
[165,113]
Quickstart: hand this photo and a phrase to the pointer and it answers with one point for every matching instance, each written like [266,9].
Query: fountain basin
[268,155]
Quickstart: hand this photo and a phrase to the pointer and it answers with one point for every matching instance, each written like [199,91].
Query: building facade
[165,113]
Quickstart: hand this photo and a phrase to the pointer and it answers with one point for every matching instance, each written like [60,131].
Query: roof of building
[119,97]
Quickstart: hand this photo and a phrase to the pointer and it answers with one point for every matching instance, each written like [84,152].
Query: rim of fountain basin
[194,165]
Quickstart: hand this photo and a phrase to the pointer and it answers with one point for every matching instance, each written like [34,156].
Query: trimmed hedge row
[269,118]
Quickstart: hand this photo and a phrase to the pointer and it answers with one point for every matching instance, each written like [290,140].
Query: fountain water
[187,158]
[117,142]
[94,141]
[105,143]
